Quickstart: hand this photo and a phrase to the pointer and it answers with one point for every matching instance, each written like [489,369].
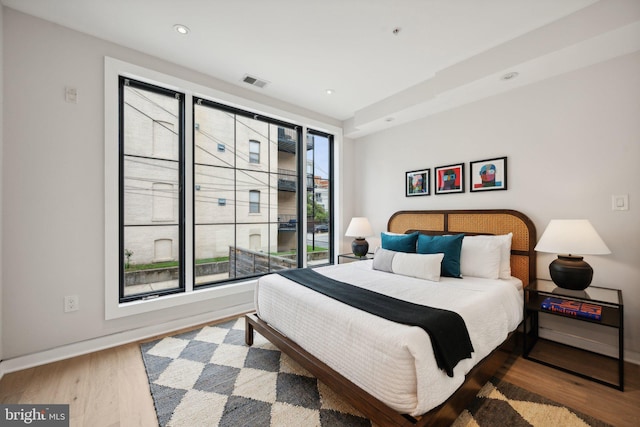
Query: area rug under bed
[210,377]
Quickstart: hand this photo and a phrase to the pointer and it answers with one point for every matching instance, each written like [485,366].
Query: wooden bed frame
[523,266]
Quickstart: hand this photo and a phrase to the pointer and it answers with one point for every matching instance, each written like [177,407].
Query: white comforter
[392,362]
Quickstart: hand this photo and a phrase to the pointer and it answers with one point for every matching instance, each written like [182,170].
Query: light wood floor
[109,388]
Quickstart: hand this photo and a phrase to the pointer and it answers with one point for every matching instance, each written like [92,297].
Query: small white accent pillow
[422,266]
[480,257]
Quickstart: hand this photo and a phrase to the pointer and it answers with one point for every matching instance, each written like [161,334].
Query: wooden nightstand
[345,258]
[566,357]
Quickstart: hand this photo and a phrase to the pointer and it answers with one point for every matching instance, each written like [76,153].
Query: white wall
[1,173]
[571,141]
[53,189]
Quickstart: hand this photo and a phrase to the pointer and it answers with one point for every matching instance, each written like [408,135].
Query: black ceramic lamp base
[360,247]
[571,272]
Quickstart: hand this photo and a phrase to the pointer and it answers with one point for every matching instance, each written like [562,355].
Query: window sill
[115,311]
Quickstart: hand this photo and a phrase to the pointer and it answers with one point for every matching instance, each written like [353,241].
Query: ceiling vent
[254,81]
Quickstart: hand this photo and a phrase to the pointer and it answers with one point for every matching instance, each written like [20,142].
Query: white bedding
[392,362]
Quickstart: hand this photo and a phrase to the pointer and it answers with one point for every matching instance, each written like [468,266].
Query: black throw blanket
[449,336]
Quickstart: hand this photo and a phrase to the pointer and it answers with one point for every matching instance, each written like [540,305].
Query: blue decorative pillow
[400,242]
[450,246]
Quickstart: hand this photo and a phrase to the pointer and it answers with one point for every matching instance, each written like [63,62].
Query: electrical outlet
[71,303]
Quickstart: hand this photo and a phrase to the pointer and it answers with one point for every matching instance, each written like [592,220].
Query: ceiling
[386,61]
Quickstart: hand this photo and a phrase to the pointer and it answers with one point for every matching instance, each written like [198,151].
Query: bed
[383,368]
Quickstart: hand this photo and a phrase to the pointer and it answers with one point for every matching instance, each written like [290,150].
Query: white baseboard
[114,340]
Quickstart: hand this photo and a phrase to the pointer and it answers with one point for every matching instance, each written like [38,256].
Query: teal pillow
[450,246]
[400,242]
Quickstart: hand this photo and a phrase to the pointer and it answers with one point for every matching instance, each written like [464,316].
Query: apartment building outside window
[151,177]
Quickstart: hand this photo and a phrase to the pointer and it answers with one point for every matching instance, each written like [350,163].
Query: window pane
[245,203]
[150,192]
[214,137]
[319,239]
[251,134]
[212,185]
[151,259]
[254,201]
[213,244]
[254,152]
[285,208]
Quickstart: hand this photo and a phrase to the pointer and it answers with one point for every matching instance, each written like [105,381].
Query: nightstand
[345,258]
[569,358]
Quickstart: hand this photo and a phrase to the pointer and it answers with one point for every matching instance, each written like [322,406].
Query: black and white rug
[210,377]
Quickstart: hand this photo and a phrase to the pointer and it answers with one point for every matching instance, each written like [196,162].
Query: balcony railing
[287,180]
[287,222]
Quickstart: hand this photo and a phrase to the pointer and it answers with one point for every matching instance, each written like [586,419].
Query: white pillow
[422,266]
[480,257]
[505,257]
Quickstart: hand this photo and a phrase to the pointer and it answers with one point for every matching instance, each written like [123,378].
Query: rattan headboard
[498,221]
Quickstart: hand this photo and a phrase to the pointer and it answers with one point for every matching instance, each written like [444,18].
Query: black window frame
[331,201]
[180,96]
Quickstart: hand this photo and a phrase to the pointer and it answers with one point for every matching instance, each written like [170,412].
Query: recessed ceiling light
[510,76]
[181,29]
[329,91]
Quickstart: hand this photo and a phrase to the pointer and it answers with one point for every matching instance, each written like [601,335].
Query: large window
[255,230]
[319,181]
[151,178]
[209,194]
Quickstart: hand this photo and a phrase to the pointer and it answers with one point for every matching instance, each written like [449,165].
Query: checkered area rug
[500,403]
[210,377]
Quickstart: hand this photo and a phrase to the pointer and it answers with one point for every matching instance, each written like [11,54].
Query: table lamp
[571,238]
[359,228]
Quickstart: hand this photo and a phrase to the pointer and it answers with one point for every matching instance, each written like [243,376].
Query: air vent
[254,81]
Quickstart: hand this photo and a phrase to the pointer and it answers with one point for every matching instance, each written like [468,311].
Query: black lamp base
[360,247]
[571,272]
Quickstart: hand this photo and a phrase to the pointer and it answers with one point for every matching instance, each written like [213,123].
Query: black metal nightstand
[611,317]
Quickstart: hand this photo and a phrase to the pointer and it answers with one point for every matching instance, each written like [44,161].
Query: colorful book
[572,308]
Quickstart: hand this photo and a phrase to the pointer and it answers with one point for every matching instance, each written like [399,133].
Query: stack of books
[572,308]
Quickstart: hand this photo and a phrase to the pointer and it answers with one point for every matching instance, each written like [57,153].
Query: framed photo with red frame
[449,179]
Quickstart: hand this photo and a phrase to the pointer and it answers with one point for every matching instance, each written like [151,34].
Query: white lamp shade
[571,237]
[359,227]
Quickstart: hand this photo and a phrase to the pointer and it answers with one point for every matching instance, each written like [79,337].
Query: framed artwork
[417,182]
[449,179]
[490,174]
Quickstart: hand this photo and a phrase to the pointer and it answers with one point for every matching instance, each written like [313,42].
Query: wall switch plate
[620,202]
[71,303]
[71,95]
